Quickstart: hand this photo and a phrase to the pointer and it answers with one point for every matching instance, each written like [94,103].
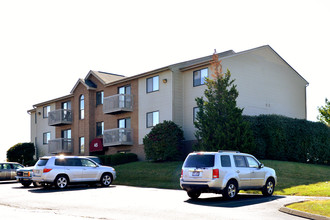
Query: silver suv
[225,172]
[63,170]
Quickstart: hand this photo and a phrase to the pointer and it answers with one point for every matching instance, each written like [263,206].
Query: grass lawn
[147,174]
[300,179]
[319,207]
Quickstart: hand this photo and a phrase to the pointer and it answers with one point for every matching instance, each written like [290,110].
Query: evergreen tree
[219,121]
[324,111]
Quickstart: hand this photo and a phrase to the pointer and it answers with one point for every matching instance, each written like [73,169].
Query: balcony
[60,145]
[117,104]
[117,137]
[60,117]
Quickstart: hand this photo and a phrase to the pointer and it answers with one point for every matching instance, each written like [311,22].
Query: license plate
[196,173]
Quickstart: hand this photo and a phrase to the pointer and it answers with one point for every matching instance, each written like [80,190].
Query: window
[66,133]
[124,123]
[46,110]
[99,128]
[252,162]
[46,137]
[152,119]
[35,118]
[125,100]
[199,161]
[66,105]
[17,166]
[225,161]
[82,145]
[6,166]
[99,98]
[153,84]
[124,90]
[199,76]
[195,110]
[68,162]
[240,161]
[42,162]
[87,163]
[66,113]
[82,107]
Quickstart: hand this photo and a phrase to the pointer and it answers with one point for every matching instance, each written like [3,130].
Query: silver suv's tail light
[46,170]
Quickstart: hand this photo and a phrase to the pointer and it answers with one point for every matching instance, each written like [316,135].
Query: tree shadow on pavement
[67,189]
[241,200]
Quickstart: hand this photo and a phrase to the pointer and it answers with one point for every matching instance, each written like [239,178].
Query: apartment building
[108,113]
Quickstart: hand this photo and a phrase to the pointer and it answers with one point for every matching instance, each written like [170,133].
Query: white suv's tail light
[215,173]
[181,173]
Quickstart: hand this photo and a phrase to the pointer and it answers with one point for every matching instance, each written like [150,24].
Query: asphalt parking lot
[124,202]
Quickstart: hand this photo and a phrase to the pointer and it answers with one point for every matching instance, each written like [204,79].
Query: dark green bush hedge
[283,138]
[22,153]
[164,142]
[119,158]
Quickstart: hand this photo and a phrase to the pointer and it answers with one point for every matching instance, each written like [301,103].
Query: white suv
[225,172]
[63,170]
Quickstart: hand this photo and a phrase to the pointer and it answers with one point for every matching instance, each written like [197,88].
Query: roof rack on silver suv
[229,151]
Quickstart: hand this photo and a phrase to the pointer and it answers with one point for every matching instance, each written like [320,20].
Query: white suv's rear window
[199,161]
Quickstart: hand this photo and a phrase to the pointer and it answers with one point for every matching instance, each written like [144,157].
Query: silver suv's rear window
[199,161]
[42,162]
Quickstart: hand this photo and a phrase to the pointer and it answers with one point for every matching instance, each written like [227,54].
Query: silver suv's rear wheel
[106,179]
[61,182]
[231,190]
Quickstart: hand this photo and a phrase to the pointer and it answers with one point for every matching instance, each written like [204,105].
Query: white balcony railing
[118,103]
[118,136]
[60,145]
[60,117]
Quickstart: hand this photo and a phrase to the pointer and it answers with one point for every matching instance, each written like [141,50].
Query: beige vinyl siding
[40,128]
[155,101]
[266,85]
[178,97]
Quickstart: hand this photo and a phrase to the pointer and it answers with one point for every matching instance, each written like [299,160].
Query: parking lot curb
[301,213]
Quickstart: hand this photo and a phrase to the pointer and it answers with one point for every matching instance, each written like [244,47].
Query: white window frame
[202,74]
[154,82]
[155,119]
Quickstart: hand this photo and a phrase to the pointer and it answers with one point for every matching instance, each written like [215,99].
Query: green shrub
[163,143]
[119,158]
[22,153]
[282,138]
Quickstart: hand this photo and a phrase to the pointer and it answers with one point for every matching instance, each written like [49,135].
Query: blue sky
[46,46]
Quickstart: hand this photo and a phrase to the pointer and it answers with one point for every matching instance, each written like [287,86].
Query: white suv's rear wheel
[194,194]
[61,182]
[231,190]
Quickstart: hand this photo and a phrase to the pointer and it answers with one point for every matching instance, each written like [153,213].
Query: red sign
[96,145]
